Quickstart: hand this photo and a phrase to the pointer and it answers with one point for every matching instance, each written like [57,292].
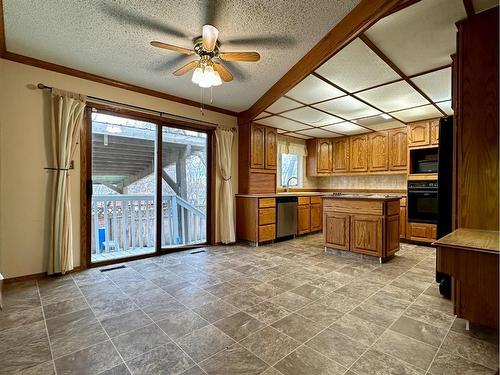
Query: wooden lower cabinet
[255,219]
[303,219]
[421,232]
[366,234]
[402,222]
[336,229]
[316,217]
[309,215]
[368,227]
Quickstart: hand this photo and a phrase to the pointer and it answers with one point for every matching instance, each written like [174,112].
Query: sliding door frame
[86,180]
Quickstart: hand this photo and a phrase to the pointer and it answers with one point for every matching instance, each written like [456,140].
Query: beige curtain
[67,114]
[225,139]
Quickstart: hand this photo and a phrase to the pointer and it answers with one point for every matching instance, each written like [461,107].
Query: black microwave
[427,166]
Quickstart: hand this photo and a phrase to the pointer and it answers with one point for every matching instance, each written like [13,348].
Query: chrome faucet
[288,183]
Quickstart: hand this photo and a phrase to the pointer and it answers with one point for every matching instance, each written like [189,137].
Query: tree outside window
[289,168]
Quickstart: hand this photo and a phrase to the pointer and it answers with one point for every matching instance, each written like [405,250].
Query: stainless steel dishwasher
[286,217]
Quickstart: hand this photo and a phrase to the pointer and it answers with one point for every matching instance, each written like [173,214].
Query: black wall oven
[423,202]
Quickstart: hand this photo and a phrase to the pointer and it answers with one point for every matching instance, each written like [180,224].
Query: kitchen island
[366,224]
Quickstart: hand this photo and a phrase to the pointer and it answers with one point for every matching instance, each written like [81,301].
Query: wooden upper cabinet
[340,155]
[398,149]
[358,153]
[324,156]
[419,134]
[378,151]
[257,146]
[271,149]
[434,124]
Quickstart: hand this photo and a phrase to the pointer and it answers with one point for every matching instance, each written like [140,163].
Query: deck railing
[127,222]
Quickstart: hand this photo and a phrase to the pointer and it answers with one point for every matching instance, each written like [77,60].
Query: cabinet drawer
[267,232]
[303,200]
[267,202]
[267,216]
[315,200]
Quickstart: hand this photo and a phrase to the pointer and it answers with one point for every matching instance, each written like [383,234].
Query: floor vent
[113,268]
[199,251]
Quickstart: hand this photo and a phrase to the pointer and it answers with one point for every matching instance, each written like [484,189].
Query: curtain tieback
[227,179]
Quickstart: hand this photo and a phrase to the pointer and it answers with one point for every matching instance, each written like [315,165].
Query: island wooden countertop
[289,194]
[371,197]
[487,241]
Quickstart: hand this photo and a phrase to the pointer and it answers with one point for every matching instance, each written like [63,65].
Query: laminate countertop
[372,197]
[290,194]
[471,239]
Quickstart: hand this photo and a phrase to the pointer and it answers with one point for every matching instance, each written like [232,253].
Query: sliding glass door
[128,216]
[184,187]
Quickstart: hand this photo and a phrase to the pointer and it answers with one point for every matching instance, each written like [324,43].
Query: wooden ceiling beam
[364,15]
[394,67]
[469,8]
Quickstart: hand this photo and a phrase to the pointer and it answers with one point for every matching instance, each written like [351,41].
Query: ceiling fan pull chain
[211,96]
[201,102]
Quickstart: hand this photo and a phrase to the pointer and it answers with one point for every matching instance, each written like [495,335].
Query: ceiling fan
[207,71]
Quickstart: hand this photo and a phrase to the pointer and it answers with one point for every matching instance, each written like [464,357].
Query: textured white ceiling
[89,35]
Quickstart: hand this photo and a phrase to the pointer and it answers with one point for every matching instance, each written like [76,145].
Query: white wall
[24,135]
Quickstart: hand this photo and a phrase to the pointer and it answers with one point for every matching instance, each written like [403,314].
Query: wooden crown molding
[364,15]
[94,77]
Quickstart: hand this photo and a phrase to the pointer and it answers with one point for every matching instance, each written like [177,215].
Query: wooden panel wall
[477,122]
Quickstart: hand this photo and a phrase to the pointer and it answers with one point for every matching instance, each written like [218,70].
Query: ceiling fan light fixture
[197,75]
[216,80]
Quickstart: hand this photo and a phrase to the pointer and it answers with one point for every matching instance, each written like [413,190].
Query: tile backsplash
[379,182]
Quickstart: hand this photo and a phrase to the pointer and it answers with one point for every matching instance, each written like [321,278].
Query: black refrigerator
[445,192]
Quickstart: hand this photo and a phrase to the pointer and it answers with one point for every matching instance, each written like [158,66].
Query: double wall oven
[423,201]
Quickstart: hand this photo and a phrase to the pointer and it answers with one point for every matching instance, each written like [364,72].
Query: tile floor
[286,308]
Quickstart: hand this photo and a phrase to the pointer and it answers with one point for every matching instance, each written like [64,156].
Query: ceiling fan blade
[273,41]
[186,68]
[223,72]
[239,56]
[163,65]
[123,15]
[210,35]
[171,47]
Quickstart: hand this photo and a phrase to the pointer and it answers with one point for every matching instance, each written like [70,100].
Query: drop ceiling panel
[283,123]
[393,97]
[437,85]
[379,123]
[298,135]
[346,128]
[282,104]
[446,107]
[263,114]
[356,67]
[318,133]
[312,90]
[312,116]
[482,5]
[415,114]
[347,107]
[420,37]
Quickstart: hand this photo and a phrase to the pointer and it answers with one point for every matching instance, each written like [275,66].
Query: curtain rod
[41,86]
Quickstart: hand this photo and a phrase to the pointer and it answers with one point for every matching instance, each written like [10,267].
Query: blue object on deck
[102,238]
